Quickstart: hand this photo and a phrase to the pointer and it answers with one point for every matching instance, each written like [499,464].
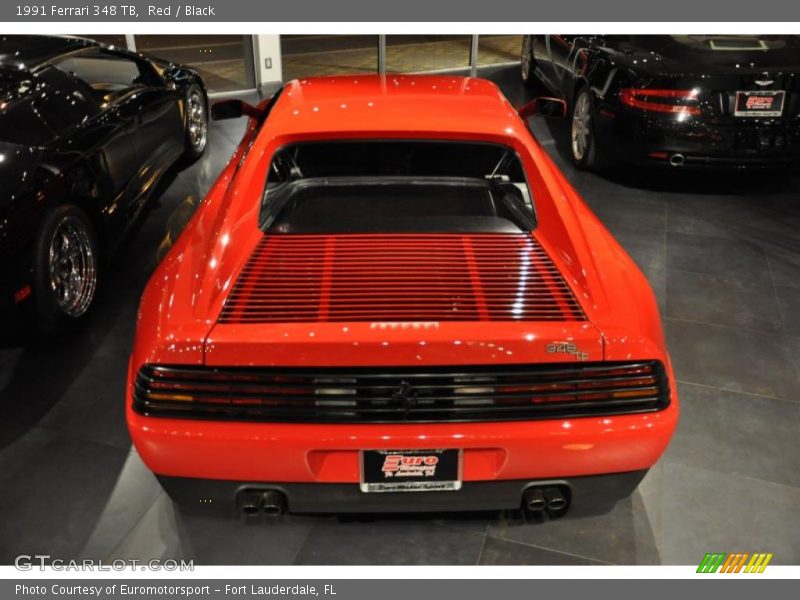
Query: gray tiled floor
[723,255]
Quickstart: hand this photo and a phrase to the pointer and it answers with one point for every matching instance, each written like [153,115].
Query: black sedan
[86,132]
[681,100]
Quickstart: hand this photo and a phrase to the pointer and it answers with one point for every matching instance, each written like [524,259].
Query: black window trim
[261,212]
[124,55]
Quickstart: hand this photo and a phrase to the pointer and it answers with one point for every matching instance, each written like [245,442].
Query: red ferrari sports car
[392,300]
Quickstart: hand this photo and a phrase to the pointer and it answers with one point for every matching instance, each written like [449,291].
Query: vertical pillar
[267,59]
[382,54]
[473,57]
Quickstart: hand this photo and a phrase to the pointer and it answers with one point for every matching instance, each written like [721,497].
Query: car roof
[26,52]
[411,104]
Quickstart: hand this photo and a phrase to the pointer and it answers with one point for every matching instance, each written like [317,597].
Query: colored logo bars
[721,562]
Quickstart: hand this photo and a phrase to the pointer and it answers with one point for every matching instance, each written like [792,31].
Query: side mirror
[547,107]
[233,109]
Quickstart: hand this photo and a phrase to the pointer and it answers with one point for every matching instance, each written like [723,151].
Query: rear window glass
[396,187]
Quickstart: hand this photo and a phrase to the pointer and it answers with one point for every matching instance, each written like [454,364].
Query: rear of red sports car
[391,300]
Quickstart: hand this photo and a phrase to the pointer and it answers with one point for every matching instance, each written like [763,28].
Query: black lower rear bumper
[587,494]
[698,159]
[642,139]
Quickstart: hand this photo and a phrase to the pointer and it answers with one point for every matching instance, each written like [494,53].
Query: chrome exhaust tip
[555,499]
[677,160]
[249,504]
[272,503]
[533,500]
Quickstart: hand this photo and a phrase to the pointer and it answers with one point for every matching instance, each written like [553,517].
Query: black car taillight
[434,394]
[684,102]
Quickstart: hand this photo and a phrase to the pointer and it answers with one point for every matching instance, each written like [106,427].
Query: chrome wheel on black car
[581,132]
[582,139]
[66,266]
[196,122]
[72,267]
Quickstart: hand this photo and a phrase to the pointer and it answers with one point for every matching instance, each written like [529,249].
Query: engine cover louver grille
[403,277]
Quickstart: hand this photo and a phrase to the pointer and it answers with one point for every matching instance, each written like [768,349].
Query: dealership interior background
[235,63]
[721,251]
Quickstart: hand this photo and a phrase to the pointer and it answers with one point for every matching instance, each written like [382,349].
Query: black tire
[527,60]
[66,266]
[195,115]
[583,141]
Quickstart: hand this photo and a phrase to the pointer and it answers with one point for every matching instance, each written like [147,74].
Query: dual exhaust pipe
[538,499]
[272,503]
[256,502]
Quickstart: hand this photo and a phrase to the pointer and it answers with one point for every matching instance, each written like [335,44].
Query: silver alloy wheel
[526,58]
[72,267]
[581,134]
[196,123]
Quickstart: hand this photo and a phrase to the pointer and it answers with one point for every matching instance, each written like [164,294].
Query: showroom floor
[723,255]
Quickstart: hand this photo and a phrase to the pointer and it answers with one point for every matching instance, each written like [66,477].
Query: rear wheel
[66,264]
[583,140]
[195,122]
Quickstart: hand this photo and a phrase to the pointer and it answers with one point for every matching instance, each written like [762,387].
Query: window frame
[264,215]
[144,67]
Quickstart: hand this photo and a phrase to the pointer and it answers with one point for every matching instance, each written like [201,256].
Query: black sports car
[711,100]
[86,131]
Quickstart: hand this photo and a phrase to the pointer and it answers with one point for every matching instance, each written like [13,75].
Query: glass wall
[224,61]
[309,55]
[109,40]
[498,49]
[416,53]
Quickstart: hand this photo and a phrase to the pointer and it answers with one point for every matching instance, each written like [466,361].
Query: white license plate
[411,470]
[759,103]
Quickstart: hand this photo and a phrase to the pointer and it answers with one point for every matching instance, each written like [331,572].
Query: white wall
[267,49]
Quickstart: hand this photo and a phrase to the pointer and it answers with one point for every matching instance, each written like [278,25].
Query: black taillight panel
[440,394]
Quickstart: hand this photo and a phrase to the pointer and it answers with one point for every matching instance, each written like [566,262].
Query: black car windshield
[397,186]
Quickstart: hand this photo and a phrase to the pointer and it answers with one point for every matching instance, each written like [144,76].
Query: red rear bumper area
[592,494]
[326,453]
